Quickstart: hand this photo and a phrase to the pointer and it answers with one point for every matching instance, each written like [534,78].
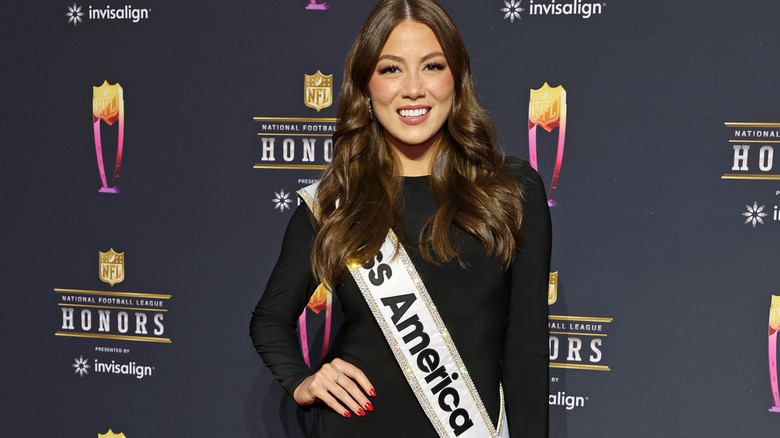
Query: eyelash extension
[435,66]
[429,66]
[388,69]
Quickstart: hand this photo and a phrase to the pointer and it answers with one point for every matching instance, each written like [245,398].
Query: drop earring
[370,110]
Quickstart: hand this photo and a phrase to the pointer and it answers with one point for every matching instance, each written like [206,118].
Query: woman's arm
[274,320]
[526,362]
[274,323]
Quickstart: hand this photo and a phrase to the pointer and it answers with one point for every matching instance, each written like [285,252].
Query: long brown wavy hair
[360,190]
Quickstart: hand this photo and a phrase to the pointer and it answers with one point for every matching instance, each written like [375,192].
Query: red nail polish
[369,406]
[361,412]
[346,414]
[372,393]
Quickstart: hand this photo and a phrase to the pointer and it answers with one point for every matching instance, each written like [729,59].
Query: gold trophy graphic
[108,105]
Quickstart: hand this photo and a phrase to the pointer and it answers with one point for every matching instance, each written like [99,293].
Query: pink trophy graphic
[547,108]
[108,105]
[321,299]
[774,326]
[314,5]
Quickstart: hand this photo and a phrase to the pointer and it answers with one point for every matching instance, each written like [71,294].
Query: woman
[413,153]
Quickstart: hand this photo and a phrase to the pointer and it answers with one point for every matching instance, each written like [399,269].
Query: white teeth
[414,112]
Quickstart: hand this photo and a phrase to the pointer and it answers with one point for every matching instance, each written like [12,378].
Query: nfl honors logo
[111,434]
[318,91]
[111,266]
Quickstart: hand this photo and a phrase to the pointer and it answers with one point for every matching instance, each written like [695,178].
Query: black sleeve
[525,372]
[274,320]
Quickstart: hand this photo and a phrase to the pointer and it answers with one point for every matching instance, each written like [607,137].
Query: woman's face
[412,90]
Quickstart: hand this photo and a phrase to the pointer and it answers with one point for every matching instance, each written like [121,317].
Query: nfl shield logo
[111,434]
[318,91]
[552,289]
[111,267]
[105,102]
[544,107]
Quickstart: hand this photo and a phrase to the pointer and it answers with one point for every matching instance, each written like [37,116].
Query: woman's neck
[414,160]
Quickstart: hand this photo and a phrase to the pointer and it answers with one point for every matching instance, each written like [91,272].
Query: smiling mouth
[417,112]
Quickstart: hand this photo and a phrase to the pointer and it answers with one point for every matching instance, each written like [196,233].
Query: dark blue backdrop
[649,239]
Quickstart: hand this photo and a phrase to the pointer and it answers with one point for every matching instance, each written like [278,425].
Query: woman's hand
[334,384]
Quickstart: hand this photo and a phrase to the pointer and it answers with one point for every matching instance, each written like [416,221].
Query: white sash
[419,340]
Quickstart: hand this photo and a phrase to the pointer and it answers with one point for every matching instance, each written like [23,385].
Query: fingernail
[369,406]
[361,412]
[372,393]
[346,414]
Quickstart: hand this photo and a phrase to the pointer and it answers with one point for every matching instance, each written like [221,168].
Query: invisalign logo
[576,7]
[128,12]
[74,14]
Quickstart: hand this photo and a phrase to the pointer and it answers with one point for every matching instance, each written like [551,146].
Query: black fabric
[496,316]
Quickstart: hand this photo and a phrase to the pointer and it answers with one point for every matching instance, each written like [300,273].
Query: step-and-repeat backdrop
[151,152]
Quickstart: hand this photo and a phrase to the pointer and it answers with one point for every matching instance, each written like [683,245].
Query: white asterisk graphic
[282,200]
[754,214]
[512,10]
[81,366]
[74,14]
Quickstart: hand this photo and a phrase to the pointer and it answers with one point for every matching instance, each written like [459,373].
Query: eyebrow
[400,59]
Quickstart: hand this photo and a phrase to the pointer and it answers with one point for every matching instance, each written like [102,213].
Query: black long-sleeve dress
[496,316]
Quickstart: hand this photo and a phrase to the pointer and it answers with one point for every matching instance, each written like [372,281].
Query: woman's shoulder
[522,171]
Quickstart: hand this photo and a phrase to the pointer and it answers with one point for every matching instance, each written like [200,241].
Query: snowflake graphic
[512,10]
[81,366]
[754,214]
[282,200]
[74,14]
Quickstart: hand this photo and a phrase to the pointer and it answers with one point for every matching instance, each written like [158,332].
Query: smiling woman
[416,226]
[411,91]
